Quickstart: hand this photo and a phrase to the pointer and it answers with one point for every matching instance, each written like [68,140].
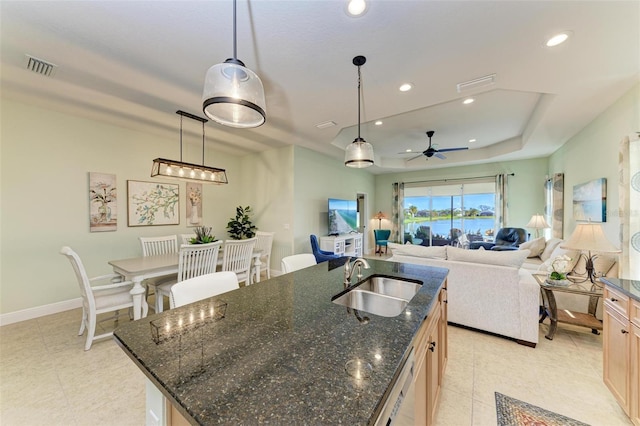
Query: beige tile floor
[46,378]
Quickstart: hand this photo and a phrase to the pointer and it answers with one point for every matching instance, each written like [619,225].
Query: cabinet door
[432,362]
[617,347]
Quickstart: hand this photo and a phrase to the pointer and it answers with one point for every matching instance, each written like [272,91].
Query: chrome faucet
[348,269]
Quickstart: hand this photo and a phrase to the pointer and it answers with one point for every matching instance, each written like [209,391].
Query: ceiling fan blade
[452,149]
[413,158]
[440,156]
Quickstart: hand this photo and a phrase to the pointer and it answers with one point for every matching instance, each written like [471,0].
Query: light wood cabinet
[621,355]
[430,361]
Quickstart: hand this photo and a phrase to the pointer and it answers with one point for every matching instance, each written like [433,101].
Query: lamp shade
[359,154]
[537,222]
[589,236]
[380,216]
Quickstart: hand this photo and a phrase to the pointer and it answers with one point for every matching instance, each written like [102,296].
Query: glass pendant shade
[233,95]
[359,154]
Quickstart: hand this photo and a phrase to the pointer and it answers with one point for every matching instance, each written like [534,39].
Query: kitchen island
[275,352]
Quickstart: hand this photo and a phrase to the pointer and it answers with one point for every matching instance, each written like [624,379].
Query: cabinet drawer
[617,300]
[634,315]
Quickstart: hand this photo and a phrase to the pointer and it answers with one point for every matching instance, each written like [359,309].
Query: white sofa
[487,290]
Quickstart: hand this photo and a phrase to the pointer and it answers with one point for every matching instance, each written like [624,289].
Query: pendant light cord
[359,78]
[235,52]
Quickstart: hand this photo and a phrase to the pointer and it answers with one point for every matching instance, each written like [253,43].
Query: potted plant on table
[558,269]
[203,235]
[240,227]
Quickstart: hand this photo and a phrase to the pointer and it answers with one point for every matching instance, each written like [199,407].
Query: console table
[581,319]
[344,245]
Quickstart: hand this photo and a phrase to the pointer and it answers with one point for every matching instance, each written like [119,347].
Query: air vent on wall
[487,80]
[39,66]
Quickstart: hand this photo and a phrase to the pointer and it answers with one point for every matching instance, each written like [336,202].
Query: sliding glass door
[449,214]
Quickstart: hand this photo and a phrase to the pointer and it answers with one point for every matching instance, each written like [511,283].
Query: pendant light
[181,170]
[359,153]
[233,95]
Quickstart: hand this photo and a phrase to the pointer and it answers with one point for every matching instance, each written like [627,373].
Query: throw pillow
[511,258]
[601,266]
[418,251]
[559,251]
[549,248]
[536,247]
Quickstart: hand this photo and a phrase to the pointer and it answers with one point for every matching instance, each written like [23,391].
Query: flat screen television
[343,216]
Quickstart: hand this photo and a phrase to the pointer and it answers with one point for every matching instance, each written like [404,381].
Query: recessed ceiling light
[558,39]
[472,140]
[408,150]
[356,7]
[378,123]
[468,101]
[406,87]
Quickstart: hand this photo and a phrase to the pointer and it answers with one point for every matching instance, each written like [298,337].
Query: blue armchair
[506,239]
[321,255]
[382,238]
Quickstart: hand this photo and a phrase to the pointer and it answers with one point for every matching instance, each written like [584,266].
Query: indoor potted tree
[240,227]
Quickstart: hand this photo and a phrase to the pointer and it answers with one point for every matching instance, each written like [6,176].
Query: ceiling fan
[432,152]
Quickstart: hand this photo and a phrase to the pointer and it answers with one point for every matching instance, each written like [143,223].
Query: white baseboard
[39,311]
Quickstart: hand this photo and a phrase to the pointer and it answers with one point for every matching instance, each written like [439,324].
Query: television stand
[344,244]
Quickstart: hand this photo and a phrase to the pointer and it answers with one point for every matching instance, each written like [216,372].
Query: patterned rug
[513,412]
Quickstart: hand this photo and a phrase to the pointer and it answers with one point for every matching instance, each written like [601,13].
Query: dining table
[138,269]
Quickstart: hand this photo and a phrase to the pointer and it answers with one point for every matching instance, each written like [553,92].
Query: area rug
[513,412]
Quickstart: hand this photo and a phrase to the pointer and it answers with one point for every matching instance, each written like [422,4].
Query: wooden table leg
[553,314]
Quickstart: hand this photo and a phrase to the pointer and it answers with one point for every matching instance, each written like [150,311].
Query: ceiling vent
[39,66]
[487,80]
[325,124]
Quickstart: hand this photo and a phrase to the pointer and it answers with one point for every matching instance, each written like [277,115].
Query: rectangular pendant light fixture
[189,171]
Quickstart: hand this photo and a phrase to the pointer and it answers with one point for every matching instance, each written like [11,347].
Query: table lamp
[537,222]
[589,236]
[380,216]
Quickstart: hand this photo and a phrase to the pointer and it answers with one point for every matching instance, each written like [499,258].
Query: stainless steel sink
[380,295]
[390,286]
[374,303]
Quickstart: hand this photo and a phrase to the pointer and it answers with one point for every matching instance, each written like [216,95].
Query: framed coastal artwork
[194,204]
[103,202]
[153,203]
[590,201]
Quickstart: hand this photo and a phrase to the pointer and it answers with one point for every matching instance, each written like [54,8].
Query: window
[440,214]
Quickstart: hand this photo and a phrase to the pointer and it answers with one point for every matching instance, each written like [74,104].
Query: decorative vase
[558,283]
[194,215]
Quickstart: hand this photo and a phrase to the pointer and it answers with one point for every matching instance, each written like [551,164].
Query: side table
[581,319]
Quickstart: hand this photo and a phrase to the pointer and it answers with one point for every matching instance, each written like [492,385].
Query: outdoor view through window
[449,214]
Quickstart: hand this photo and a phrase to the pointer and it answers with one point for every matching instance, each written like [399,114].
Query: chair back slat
[82,277]
[237,257]
[152,246]
[202,287]
[197,259]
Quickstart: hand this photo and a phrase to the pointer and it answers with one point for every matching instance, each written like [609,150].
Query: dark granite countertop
[629,287]
[278,356]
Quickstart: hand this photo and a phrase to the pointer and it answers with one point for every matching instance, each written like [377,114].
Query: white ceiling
[134,63]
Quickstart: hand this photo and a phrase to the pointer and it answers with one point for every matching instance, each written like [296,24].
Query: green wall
[593,153]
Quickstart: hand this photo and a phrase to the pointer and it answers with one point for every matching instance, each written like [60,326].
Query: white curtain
[629,194]
[397,213]
[501,201]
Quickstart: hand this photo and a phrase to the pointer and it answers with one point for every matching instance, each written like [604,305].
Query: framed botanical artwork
[194,204]
[590,201]
[153,203]
[103,202]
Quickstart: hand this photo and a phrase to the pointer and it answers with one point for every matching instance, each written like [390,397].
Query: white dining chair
[297,261]
[98,299]
[236,257]
[264,242]
[202,287]
[195,260]
[152,246]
